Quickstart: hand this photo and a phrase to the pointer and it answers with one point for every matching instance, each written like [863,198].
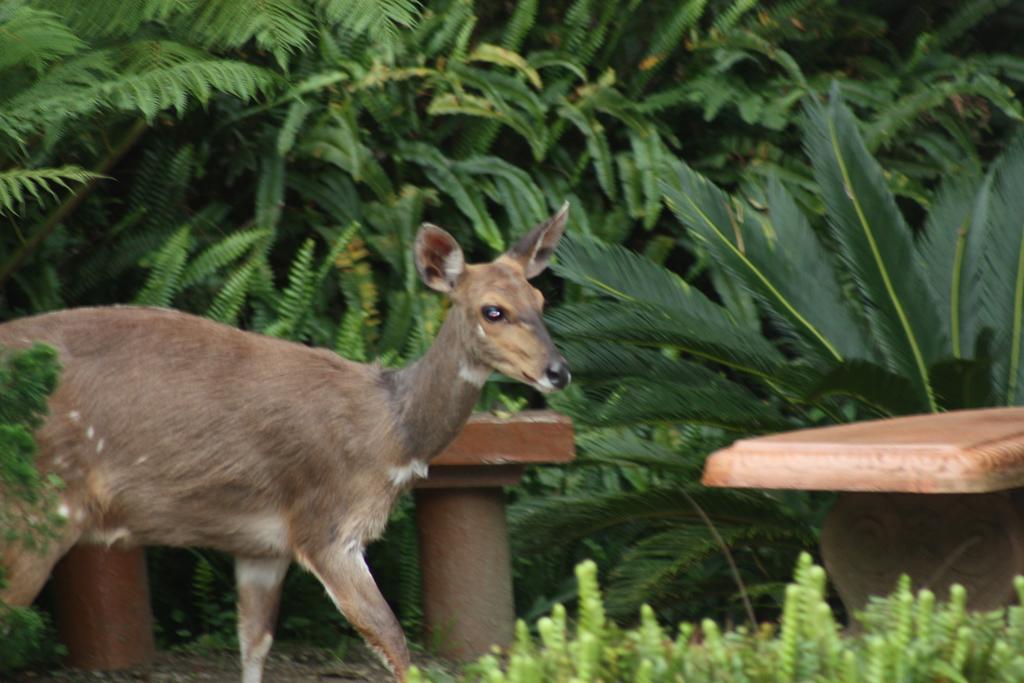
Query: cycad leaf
[1002,283]
[962,384]
[652,402]
[640,325]
[875,243]
[541,521]
[775,258]
[880,389]
[659,300]
[950,252]
[622,446]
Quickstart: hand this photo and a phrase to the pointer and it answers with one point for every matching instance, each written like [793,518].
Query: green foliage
[872,328]
[665,372]
[27,509]
[903,637]
[27,377]
[267,165]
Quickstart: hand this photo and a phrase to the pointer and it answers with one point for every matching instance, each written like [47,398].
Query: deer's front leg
[342,570]
[259,594]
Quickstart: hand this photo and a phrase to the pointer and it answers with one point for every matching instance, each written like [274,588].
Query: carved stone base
[977,540]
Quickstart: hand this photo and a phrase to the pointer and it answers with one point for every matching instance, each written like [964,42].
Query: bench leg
[467,575]
[977,540]
[102,605]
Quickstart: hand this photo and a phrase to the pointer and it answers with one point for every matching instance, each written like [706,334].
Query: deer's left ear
[439,259]
[535,248]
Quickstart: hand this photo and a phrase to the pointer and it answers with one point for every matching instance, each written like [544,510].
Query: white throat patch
[474,374]
[400,476]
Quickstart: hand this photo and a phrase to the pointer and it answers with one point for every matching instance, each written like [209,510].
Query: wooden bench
[102,596]
[933,496]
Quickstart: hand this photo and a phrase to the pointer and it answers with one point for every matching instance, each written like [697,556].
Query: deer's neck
[435,395]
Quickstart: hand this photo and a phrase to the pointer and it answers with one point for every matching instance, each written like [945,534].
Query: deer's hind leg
[26,569]
[342,570]
[259,595]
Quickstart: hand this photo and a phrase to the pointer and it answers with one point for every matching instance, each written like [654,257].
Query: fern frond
[523,18]
[164,74]
[230,299]
[485,52]
[382,20]
[523,186]
[597,146]
[293,120]
[967,16]
[294,302]
[17,184]
[270,191]
[105,20]
[221,254]
[350,342]
[165,279]
[282,27]
[728,19]
[667,38]
[439,170]
[33,37]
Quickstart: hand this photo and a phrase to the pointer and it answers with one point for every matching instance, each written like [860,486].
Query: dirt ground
[284,665]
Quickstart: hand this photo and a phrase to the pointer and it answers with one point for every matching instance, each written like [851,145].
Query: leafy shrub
[904,637]
[26,505]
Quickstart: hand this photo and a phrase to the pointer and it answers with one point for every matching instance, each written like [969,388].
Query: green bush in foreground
[27,378]
[904,637]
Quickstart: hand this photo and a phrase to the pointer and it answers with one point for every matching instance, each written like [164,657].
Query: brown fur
[169,429]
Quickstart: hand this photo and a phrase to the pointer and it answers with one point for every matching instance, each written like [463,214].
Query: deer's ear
[534,249]
[439,258]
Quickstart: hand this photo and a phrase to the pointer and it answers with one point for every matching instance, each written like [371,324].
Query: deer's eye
[493,314]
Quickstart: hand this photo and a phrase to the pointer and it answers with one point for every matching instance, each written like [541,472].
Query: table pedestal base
[976,540]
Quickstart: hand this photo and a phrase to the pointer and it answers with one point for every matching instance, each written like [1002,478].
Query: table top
[966,451]
[528,437]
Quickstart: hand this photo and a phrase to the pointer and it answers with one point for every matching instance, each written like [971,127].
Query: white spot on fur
[90,432]
[64,511]
[480,330]
[474,374]
[261,573]
[75,416]
[99,446]
[400,476]
[142,459]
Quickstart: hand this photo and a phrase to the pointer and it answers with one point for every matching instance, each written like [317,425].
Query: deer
[171,429]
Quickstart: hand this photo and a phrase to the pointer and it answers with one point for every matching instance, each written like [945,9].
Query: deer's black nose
[558,374]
